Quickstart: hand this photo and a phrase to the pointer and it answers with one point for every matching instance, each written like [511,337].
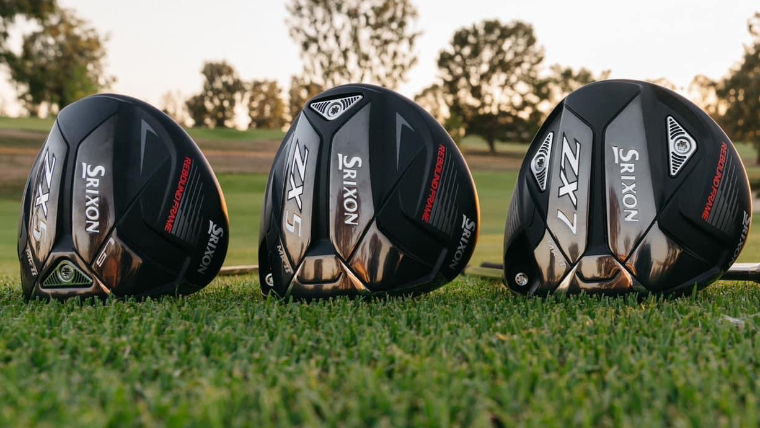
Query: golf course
[469,354]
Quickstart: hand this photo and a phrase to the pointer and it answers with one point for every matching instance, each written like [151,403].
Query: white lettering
[92,195]
[568,188]
[628,182]
[214,233]
[468,227]
[564,219]
[350,168]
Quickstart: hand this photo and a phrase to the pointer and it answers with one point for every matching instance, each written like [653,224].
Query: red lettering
[716,182]
[178,194]
[437,172]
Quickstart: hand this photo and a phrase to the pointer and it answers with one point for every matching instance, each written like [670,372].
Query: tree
[173,105]
[454,125]
[214,106]
[702,92]
[740,92]
[265,105]
[490,79]
[564,80]
[433,100]
[665,83]
[301,90]
[4,110]
[31,9]
[59,63]
[346,41]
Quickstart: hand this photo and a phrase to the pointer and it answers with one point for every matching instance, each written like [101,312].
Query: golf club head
[626,187]
[120,200]
[367,195]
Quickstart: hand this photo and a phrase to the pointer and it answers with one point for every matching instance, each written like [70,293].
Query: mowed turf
[469,354]
[244,195]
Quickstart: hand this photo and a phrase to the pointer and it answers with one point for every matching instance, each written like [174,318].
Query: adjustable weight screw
[334,109]
[66,273]
[521,279]
[539,164]
[683,145]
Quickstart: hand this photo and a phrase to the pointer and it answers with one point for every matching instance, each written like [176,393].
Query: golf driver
[626,187]
[367,195]
[120,200]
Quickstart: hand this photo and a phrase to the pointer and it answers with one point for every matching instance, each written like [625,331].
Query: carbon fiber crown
[626,187]
[367,195]
[120,200]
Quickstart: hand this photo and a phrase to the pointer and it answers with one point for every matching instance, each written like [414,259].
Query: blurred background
[235,73]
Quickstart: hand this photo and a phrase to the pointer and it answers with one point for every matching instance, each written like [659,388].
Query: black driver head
[120,200]
[367,195]
[626,187]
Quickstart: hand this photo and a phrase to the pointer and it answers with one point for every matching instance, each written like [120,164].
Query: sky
[160,45]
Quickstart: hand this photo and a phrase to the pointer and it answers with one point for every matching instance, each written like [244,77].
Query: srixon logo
[91,175]
[568,187]
[295,186]
[349,168]
[625,159]
[742,238]
[42,195]
[468,227]
[214,234]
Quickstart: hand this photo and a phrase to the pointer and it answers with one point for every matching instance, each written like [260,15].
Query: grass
[27,124]
[234,135]
[35,124]
[748,153]
[469,354]
[476,143]
[244,194]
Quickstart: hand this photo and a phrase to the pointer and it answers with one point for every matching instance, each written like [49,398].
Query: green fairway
[218,134]
[470,354]
[27,123]
[233,135]
[244,195]
[9,218]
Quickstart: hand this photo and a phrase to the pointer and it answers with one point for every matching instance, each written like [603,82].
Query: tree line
[492,79]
